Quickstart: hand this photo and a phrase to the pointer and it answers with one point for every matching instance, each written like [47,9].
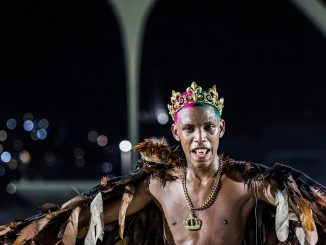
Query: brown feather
[159,152]
[307,221]
[27,233]
[47,207]
[33,229]
[320,195]
[74,202]
[159,159]
[4,229]
[126,200]
[70,234]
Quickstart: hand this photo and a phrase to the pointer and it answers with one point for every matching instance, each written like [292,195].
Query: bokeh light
[106,167]
[24,157]
[18,145]
[11,188]
[34,135]
[13,164]
[49,158]
[5,156]
[92,136]
[1,148]
[3,135]
[102,140]
[80,162]
[162,118]
[2,170]
[79,153]
[28,116]
[41,134]
[43,123]
[125,145]
[28,125]
[11,123]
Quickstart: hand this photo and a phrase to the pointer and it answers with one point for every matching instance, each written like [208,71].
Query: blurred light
[28,116]
[63,133]
[50,158]
[11,188]
[18,145]
[92,136]
[1,148]
[11,123]
[106,167]
[125,146]
[80,162]
[2,170]
[102,140]
[13,164]
[79,153]
[5,156]
[28,125]
[3,135]
[41,134]
[162,118]
[24,157]
[34,135]
[43,123]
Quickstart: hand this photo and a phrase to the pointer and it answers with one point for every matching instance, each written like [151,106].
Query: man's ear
[221,128]
[174,131]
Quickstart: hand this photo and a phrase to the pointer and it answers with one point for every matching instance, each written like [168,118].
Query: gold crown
[194,94]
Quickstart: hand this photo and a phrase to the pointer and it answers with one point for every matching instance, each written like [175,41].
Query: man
[200,197]
[224,203]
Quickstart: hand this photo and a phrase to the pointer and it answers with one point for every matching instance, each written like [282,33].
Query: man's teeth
[201,151]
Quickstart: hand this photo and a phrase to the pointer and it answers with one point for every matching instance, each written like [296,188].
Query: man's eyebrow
[187,124]
[209,122]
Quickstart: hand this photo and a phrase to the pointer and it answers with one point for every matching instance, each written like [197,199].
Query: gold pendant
[192,223]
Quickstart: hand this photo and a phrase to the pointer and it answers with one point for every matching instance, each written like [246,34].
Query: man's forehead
[200,112]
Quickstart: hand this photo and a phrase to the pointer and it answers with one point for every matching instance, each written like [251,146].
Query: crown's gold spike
[194,85]
[195,94]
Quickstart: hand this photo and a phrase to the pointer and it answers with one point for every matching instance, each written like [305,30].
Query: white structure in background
[315,11]
[132,16]
[125,154]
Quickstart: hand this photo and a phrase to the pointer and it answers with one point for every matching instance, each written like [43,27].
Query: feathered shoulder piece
[300,213]
[159,159]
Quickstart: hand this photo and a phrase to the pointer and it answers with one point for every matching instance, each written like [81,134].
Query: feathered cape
[298,218]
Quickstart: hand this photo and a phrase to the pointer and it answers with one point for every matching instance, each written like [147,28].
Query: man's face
[199,130]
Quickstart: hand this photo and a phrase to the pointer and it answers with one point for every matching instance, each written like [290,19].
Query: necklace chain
[212,196]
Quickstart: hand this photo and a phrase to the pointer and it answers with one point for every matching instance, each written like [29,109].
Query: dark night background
[63,61]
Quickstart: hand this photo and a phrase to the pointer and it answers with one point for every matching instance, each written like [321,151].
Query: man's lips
[200,152]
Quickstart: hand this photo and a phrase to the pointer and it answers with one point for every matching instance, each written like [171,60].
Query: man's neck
[202,174]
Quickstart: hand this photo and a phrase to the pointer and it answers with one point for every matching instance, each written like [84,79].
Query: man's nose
[200,136]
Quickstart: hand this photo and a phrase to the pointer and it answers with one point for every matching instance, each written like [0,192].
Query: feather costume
[298,218]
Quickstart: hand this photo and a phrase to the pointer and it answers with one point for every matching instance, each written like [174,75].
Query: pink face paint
[176,117]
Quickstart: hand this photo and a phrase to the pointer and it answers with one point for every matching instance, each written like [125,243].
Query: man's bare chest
[224,217]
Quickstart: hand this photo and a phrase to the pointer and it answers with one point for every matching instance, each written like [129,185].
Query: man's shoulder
[241,171]
[168,177]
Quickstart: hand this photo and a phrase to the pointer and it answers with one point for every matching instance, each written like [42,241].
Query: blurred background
[80,80]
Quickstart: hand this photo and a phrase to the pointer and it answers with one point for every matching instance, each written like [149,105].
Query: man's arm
[141,198]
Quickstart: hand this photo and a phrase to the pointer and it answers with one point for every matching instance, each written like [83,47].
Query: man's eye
[210,127]
[188,129]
